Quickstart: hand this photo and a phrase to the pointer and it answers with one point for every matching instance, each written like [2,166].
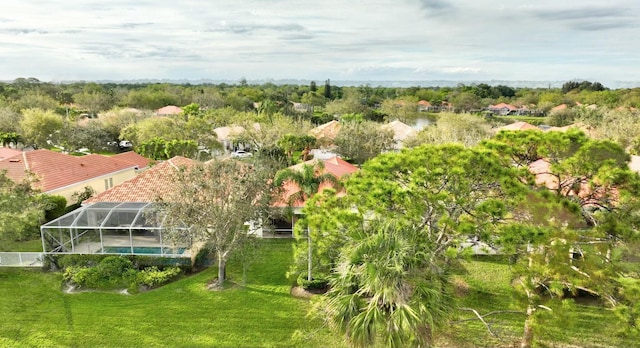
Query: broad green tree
[150,128]
[94,102]
[361,141]
[437,197]
[291,143]
[564,237]
[35,100]
[38,126]
[214,203]
[21,212]
[465,129]
[9,120]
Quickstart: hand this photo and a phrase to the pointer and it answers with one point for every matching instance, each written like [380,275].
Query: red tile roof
[146,186]
[6,152]
[424,103]
[520,125]
[169,110]
[56,170]
[133,158]
[559,107]
[335,166]
[503,106]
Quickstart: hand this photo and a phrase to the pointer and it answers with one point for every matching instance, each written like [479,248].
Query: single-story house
[116,221]
[327,132]
[401,132]
[63,175]
[503,109]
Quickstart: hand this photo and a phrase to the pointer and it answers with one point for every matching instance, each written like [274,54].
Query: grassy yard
[583,323]
[35,312]
[29,245]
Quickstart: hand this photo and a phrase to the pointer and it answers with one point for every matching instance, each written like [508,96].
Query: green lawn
[29,245]
[35,312]
[584,324]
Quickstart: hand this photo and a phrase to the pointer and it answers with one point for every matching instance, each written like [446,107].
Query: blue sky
[370,40]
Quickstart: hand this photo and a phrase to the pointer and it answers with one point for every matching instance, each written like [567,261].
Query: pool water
[142,250]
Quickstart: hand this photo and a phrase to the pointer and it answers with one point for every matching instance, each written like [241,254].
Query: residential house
[517,126]
[282,227]
[425,106]
[503,109]
[401,132]
[326,132]
[117,221]
[559,108]
[302,107]
[228,135]
[64,175]
[169,110]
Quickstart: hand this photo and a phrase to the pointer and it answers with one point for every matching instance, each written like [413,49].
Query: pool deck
[125,242]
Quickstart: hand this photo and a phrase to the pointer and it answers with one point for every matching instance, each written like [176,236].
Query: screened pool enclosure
[111,228]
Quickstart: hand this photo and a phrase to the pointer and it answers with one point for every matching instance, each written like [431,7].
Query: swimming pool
[142,250]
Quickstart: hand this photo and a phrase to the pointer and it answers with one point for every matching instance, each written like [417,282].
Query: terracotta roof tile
[56,170]
[146,186]
[6,152]
[336,166]
[169,110]
[520,125]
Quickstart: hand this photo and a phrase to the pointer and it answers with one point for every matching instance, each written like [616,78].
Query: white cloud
[367,40]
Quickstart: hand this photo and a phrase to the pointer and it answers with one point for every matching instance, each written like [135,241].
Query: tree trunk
[527,336]
[309,264]
[222,264]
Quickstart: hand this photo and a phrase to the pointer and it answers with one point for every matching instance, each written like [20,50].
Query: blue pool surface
[142,250]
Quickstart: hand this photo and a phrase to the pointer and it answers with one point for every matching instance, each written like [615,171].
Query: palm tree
[308,179]
[383,289]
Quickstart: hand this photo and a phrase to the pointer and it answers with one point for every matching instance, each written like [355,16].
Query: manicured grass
[35,312]
[29,245]
[582,324]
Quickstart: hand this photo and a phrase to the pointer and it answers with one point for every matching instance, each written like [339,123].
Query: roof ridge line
[24,158]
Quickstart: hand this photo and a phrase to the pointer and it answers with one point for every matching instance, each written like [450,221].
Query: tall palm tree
[308,179]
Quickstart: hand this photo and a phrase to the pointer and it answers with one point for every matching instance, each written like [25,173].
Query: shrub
[83,260]
[319,282]
[153,277]
[115,272]
[55,206]
[113,266]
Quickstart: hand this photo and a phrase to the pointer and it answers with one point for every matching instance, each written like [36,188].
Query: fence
[21,259]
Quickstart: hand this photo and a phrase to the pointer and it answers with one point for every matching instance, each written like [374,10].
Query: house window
[108,183]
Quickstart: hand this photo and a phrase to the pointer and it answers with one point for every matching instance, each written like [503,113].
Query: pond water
[421,122]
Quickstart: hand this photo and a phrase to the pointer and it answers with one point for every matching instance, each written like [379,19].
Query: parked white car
[241,154]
